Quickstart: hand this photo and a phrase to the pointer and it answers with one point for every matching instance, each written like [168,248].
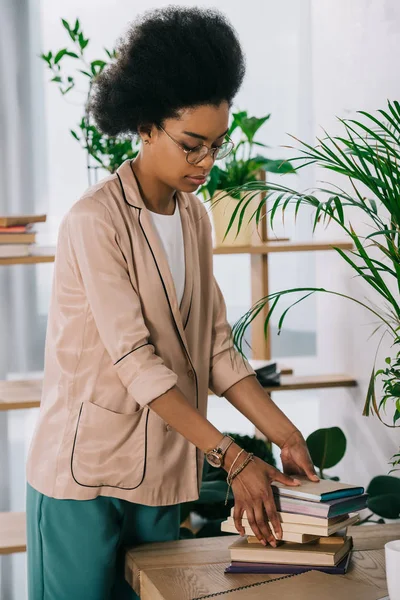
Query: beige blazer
[116,340]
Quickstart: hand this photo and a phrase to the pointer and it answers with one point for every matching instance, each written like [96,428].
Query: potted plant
[103,151]
[240,167]
[368,155]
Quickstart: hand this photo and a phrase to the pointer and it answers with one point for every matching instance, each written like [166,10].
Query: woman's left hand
[296,458]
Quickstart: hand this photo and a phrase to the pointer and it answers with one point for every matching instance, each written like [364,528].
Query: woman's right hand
[253,493]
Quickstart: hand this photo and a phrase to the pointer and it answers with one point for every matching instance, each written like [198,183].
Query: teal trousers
[76,548]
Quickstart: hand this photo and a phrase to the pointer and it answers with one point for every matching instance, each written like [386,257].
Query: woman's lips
[198,180]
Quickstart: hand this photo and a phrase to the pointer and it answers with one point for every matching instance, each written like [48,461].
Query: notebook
[322,552]
[271,568]
[321,491]
[312,585]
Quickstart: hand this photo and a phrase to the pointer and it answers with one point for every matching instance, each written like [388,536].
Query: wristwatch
[215,456]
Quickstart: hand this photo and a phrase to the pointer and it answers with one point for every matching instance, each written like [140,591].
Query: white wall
[355,67]
[272,35]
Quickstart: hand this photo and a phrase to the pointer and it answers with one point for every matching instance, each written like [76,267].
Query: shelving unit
[18,395]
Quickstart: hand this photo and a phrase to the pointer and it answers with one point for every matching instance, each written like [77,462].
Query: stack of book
[268,374]
[314,519]
[17,236]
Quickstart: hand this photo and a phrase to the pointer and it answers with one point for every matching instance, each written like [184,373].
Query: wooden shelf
[309,382]
[12,532]
[20,394]
[269,247]
[27,393]
[39,255]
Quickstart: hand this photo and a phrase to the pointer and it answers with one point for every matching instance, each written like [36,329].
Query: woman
[137,330]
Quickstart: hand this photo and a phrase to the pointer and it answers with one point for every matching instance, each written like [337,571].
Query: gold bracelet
[237,456]
[229,480]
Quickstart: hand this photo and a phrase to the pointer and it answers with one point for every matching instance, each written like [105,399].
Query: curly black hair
[170,58]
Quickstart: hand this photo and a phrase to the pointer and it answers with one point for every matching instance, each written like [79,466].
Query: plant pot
[221,213]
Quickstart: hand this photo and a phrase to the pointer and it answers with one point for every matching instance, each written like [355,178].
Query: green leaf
[66,25]
[73,54]
[57,79]
[385,505]
[327,447]
[76,28]
[59,55]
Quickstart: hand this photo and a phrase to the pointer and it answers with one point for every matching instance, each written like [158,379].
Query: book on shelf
[268,374]
[275,568]
[295,523]
[321,552]
[17,228]
[19,220]
[321,491]
[17,238]
[14,250]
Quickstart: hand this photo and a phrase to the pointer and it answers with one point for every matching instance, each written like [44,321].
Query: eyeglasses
[197,154]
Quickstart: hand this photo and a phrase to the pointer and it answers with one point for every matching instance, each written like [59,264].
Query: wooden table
[189,569]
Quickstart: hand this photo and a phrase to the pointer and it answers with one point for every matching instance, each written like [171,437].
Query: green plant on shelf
[367,155]
[243,164]
[107,152]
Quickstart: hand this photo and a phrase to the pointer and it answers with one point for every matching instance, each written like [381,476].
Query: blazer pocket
[109,448]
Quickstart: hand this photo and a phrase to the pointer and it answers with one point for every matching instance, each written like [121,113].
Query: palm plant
[367,155]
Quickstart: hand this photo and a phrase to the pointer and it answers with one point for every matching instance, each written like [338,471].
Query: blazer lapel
[180,313]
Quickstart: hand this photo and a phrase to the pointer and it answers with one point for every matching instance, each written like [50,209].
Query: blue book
[270,568]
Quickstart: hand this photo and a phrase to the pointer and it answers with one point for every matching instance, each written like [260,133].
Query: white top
[169,228]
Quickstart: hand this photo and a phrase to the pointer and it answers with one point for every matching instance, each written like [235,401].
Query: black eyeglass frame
[211,151]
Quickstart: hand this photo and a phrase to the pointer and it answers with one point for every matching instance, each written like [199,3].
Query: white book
[320,491]
[298,538]
[14,250]
[322,530]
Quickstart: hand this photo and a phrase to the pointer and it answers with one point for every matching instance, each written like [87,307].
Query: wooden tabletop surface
[188,569]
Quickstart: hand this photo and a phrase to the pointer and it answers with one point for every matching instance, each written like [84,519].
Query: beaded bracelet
[229,480]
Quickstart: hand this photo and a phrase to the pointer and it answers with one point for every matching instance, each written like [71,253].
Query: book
[271,568]
[287,517]
[12,220]
[288,536]
[312,585]
[16,228]
[14,250]
[324,529]
[322,552]
[17,238]
[331,508]
[321,491]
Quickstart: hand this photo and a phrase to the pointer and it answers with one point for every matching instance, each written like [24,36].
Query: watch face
[214,459]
